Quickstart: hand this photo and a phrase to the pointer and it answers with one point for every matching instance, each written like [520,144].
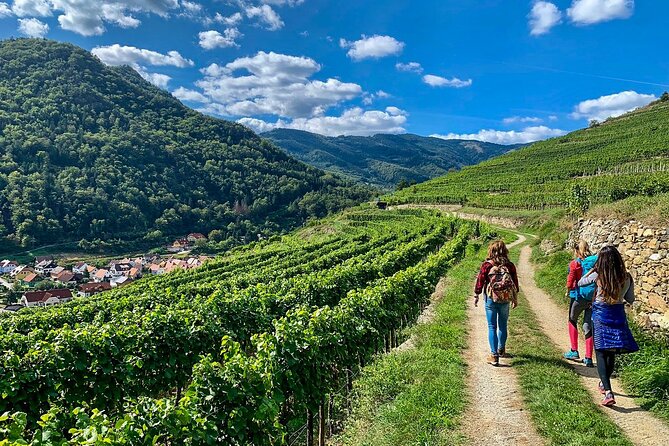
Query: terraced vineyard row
[626,156]
[248,349]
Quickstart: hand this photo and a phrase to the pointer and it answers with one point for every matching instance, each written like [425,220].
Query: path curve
[496,414]
[640,426]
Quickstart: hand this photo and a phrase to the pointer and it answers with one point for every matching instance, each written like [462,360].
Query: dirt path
[640,426]
[496,415]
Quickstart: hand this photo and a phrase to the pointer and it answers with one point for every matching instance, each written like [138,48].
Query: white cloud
[5,10]
[267,16]
[231,20]
[373,47]
[88,17]
[611,105]
[353,121]
[33,28]
[438,81]
[184,94]
[552,118]
[413,67]
[272,84]
[130,55]
[157,79]
[587,12]
[543,17]
[514,119]
[214,39]
[369,98]
[31,8]
[527,135]
[283,2]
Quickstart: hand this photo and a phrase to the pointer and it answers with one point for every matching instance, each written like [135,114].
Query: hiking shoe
[503,354]
[493,359]
[608,400]
[602,390]
[572,354]
[588,362]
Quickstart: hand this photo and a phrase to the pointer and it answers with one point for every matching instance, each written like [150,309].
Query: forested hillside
[622,157]
[384,160]
[91,151]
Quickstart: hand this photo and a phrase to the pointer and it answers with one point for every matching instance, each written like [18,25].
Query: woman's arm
[588,279]
[575,273]
[482,278]
[629,295]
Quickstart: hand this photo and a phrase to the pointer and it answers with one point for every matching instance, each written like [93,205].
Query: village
[47,282]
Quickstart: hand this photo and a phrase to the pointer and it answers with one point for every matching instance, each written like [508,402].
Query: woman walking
[612,333]
[580,302]
[498,281]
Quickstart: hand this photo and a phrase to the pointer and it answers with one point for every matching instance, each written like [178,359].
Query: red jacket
[482,279]
[575,274]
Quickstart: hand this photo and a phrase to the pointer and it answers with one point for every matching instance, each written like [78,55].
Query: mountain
[92,151]
[384,160]
[627,156]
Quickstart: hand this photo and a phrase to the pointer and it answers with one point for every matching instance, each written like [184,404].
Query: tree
[578,202]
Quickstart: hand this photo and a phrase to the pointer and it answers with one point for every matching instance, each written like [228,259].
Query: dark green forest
[92,152]
[384,160]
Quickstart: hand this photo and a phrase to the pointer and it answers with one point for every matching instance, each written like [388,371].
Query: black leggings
[606,361]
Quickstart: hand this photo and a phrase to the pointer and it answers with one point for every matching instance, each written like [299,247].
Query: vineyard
[623,157]
[244,350]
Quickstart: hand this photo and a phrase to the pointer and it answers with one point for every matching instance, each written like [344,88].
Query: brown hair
[611,272]
[582,249]
[498,253]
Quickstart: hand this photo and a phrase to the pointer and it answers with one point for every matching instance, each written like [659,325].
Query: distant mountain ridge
[384,160]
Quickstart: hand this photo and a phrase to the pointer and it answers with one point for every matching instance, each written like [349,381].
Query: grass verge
[417,396]
[561,408]
[645,373]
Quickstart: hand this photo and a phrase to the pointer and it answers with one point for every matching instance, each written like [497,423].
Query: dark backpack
[501,287]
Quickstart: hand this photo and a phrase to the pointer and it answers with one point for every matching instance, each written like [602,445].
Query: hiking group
[598,286]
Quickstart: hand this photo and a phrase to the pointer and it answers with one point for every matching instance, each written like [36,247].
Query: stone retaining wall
[646,253]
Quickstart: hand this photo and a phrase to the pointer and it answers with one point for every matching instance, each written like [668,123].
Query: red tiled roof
[95,287]
[41,296]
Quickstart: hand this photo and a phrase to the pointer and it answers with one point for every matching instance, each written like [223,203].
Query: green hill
[384,160]
[91,151]
[627,156]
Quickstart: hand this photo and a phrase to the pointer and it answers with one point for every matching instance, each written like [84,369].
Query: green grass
[561,408]
[416,397]
[645,373]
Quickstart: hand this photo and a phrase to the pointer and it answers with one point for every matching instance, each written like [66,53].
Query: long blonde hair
[498,253]
[582,249]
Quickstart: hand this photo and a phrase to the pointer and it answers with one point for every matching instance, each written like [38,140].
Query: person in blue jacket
[612,335]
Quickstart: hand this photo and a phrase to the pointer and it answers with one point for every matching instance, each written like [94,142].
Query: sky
[492,70]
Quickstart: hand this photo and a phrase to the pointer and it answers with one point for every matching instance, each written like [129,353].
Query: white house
[7,266]
[91,288]
[45,267]
[45,298]
[101,275]
[80,268]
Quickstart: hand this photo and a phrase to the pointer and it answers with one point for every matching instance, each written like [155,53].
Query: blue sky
[495,70]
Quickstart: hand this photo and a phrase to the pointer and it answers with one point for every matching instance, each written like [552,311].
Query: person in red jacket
[580,302]
[498,277]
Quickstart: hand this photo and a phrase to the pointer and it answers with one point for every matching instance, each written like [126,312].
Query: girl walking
[580,302]
[498,280]
[612,333]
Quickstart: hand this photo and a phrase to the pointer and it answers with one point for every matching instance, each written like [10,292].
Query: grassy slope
[612,160]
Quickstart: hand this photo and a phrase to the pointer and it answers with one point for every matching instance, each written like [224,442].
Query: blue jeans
[498,316]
